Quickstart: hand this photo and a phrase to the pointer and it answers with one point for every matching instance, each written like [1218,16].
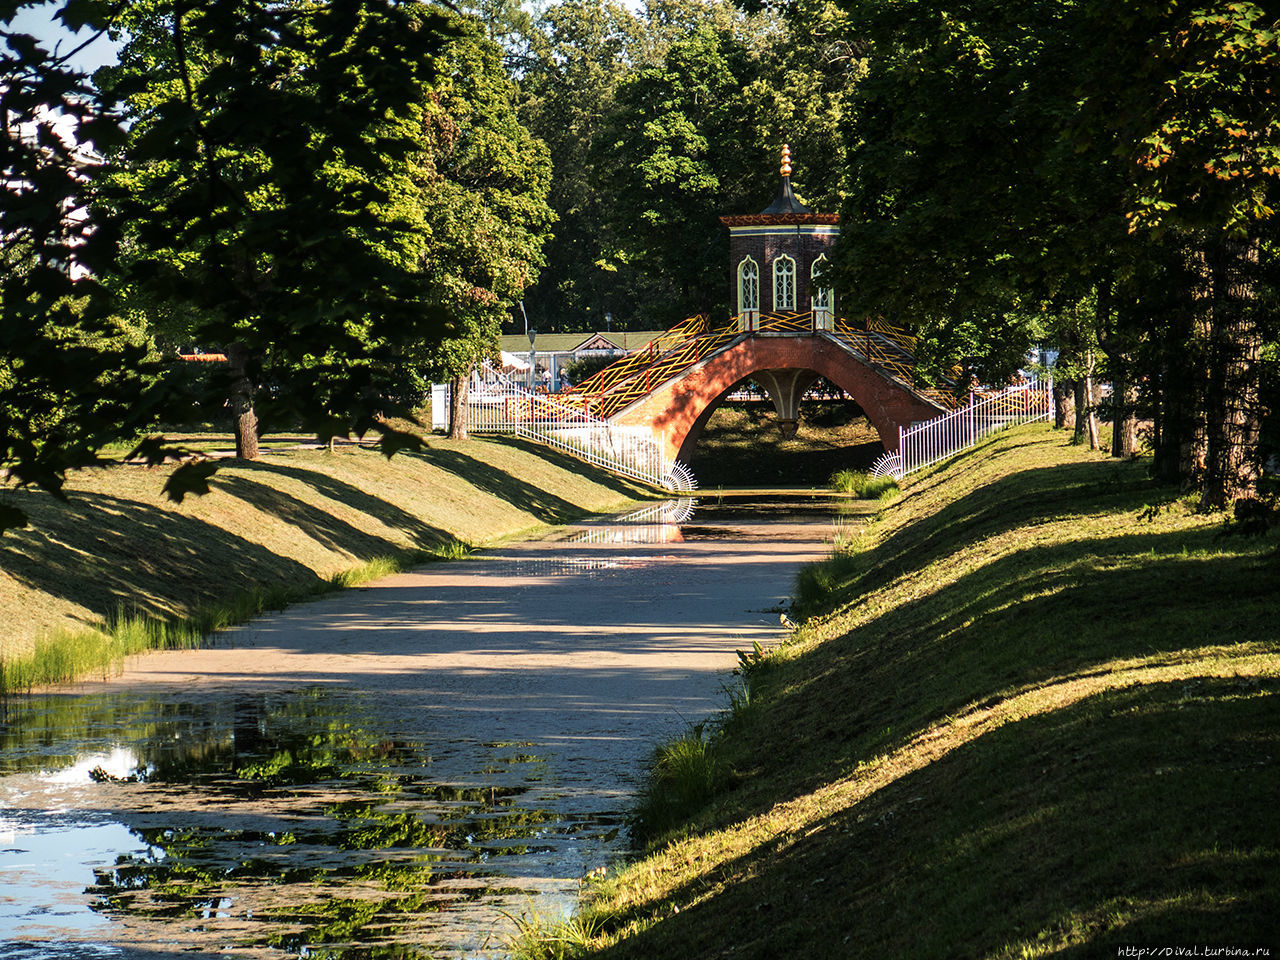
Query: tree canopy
[345,196]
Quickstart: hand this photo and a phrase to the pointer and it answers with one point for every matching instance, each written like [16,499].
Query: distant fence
[496,404]
[924,444]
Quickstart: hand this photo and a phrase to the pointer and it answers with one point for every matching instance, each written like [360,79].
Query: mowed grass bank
[1033,711]
[291,525]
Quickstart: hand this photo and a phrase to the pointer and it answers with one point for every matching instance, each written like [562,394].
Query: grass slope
[286,526]
[1029,715]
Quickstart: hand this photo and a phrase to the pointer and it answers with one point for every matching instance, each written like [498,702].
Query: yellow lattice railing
[615,373]
[642,381]
[785,323]
[898,335]
[896,359]
[881,344]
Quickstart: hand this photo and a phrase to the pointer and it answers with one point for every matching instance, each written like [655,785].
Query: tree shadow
[1132,816]
[1022,500]
[323,524]
[326,528]
[1058,610]
[105,553]
[542,504]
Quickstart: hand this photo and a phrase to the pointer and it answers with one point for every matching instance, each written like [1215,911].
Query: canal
[392,771]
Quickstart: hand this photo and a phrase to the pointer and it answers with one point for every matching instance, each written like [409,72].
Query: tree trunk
[1124,419]
[1086,419]
[1180,452]
[245,420]
[458,405]
[1064,405]
[1232,405]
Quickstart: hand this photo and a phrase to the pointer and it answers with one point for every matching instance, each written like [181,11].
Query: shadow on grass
[1011,624]
[104,552]
[1135,816]
[1006,505]
[323,526]
[327,529]
[542,504]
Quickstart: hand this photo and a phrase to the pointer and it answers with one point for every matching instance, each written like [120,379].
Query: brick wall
[804,249]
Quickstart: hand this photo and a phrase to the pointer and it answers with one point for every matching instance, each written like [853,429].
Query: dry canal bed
[393,771]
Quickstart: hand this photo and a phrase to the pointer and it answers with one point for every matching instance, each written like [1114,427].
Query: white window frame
[822,298]
[784,283]
[748,293]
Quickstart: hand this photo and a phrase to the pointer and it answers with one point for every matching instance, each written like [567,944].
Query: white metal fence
[496,404]
[924,444]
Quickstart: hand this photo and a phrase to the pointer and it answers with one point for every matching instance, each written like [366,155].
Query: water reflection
[278,822]
[341,823]
[658,523]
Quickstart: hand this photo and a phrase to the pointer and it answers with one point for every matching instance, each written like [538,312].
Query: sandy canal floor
[542,672]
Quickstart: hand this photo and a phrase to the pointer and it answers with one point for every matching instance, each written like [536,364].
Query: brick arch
[678,409]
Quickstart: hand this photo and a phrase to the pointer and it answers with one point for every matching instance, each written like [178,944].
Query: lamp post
[532,358]
[608,321]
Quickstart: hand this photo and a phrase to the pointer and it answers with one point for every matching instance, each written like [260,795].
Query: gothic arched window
[821,297]
[748,286]
[784,283]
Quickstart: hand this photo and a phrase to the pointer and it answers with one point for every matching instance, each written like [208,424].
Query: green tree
[675,156]
[582,51]
[71,373]
[1198,125]
[480,207]
[998,160]
[262,200]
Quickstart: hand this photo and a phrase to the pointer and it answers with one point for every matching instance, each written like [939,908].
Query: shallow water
[389,772]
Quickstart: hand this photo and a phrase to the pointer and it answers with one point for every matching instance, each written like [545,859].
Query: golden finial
[786,160]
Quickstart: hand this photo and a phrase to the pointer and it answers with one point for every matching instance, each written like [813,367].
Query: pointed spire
[785,201]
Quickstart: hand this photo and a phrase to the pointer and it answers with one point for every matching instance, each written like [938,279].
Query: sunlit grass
[1024,715]
[290,526]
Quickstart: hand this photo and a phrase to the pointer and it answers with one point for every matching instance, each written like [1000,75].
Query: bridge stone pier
[678,409]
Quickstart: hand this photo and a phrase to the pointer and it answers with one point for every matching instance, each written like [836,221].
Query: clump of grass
[846,481]
[540,938]
[684,774]
[71,654]
[863,485]
[453,550]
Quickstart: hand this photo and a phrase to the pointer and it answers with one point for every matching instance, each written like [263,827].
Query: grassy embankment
[120,569]
[1034,711]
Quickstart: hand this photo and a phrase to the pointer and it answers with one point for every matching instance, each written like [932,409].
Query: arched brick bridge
[675,385]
